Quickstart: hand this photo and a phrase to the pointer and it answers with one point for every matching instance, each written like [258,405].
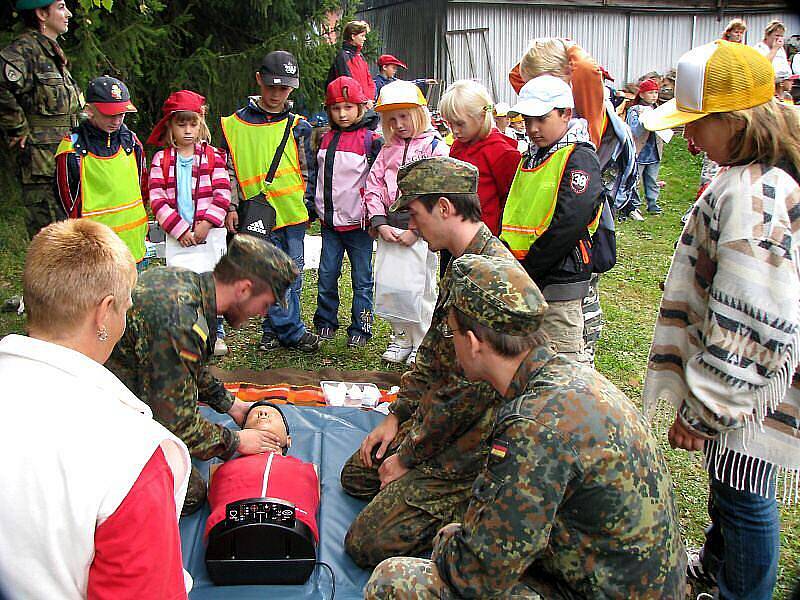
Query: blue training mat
[326,437]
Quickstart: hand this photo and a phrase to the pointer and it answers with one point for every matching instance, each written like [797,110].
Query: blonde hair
[362,111]
[353,28]
[768,134]
[733,24]
[420,118]
[70,267]
[545,55]
[466,98]
[772,27]
[181,116]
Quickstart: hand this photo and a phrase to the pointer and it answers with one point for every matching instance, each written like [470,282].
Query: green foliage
[211,46]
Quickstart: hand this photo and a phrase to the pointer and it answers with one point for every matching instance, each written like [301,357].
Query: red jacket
[350,62]
[497,159]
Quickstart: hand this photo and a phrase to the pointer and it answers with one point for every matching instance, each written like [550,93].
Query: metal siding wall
[409,31]
[657,41]
[511,26]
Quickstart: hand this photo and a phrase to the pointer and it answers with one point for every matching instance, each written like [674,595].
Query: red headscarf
[184,100]
[648,85]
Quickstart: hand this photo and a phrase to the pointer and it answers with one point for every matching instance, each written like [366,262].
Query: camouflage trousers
[403,518]
[404,578]
[42,207]
[592,318]
[195,494]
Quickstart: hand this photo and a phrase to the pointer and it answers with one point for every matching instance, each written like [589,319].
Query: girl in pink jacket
[190,190]
[343,161]
[406,302]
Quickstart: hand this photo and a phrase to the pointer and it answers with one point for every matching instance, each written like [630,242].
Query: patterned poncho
[726,345]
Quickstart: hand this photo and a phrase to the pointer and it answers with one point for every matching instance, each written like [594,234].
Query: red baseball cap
[344,89]
[388,59]
[184,100]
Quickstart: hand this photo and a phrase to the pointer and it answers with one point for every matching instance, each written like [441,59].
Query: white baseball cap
[541,95]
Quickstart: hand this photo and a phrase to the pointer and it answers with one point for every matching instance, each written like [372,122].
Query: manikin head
[266,416]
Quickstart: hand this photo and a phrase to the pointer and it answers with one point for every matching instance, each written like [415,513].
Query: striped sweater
[211,189]
[726,345]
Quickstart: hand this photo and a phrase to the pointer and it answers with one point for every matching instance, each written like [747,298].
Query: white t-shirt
[796,64]
[780,62]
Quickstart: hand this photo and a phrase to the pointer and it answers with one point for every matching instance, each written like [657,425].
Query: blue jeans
[220,328]
[286,324]
[648,175]
[743,542]
[358,245]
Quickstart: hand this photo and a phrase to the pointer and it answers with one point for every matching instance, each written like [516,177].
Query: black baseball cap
[280,68]
[110,96]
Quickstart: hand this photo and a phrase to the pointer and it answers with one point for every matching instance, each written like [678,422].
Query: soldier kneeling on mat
[575,499]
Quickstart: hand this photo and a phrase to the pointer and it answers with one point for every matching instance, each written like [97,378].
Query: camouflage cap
[497,293]
[435,175]
[261,260]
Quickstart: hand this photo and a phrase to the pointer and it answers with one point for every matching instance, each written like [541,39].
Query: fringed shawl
[727,338]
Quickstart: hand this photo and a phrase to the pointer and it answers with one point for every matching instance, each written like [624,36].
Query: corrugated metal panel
[511,26]
[410,31]
[656,40]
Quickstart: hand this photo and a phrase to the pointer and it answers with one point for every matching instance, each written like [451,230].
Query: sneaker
[696,572]
[357,340]
[12,304]
[395,353]
[636,215]
[308,342]
[412,357]
[220,347]
[655,211]
[326,333]
[268,342]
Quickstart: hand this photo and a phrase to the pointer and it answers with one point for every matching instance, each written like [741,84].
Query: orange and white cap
[714,78]
[399,94]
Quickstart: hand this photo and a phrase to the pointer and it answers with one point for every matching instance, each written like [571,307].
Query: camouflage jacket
[163,355]
[575,498]
[38,98]
[451,418]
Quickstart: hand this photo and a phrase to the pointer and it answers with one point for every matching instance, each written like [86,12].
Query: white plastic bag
[201,258]
[402,280]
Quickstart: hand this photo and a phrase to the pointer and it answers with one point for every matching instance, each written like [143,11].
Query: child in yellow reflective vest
[553,207]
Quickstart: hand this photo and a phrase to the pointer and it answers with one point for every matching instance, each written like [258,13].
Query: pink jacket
[212,193]
[381,190]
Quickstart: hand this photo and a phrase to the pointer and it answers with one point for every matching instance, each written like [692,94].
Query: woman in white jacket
[92,486]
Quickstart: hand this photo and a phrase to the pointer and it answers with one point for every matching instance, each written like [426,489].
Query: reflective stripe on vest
[532,202]
[252,148]
[110,194]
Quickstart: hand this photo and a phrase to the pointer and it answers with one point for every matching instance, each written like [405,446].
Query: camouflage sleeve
[452,409]
[212,392]
[14,80]
[514,502]
[175,376]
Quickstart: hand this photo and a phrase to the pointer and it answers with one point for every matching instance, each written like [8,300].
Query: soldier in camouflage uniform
[167,344]
[39,103]
[575,499]
[417,467]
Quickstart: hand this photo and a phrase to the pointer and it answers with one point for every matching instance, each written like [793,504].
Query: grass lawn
[630,297]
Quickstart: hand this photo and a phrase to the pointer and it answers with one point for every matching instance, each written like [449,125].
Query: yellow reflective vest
[110,193]
[252,147]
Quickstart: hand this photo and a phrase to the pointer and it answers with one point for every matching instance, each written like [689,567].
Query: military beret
[31,4]
[261,260]
[497,293]
[436,175]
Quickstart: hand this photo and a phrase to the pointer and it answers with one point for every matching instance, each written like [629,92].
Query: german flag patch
[189,355]
[499,449]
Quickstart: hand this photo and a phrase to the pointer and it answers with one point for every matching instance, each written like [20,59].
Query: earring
[102,334]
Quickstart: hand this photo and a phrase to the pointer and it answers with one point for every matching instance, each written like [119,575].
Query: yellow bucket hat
[715,78]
